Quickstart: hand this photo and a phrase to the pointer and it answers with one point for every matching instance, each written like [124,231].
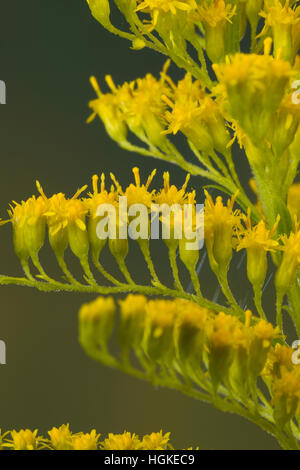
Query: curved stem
[104,273]
[257,300]
[106,290]
[65,270]
[174,267]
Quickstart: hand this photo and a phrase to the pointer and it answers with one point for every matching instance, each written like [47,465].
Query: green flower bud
[96,323]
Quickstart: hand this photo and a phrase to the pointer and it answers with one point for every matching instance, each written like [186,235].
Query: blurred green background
[48,50]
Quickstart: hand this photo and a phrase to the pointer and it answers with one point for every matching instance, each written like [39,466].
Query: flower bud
[132,321]
[286,273]
[286,396]
[190,333]
[28,221]
[77,231]
[221,344]
[188,257]
[100,10]
[158,337]
[96,323]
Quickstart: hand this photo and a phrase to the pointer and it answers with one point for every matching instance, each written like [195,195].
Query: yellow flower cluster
[62,438]
[283,379]
[73,222]
[178,22]
[253,86]
[210,350]
[152,108]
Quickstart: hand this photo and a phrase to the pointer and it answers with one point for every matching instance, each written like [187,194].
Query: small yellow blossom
[214,15]
[96,321]
[282,19]
[132,321]
[107,107]
[66,219]
[279,360]
[93,202]
[136,105]
[221,333]
[61,438]
[158,8]
[220,225]
[155,441]
[293,201]
[125,441]
[159,326]
[170,194]
[25,440]
[254,86]
[137,193]
[29,221]
[284,125]
[190,329]
[195,113]
[286,273]
[88,441]
[286,395]
[257,240]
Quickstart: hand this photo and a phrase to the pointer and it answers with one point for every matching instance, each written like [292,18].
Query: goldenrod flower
[101,11]
[155,441]
[158,336]
[159,8]
[137,193]
[221,333]
[189,332]
[282,19]
[283,128]
[96,320]
[189,117]
[66,218]
[175,198]
[255,85]
[170,194]
[293,200]
[220,225]
[29,221]
[100,197]
[61,438]
[214,15]
[24,440]
[125,441]
[136,105]
[253,8]
[262,334]
[286,273]
[132,321]
[257,240]
[107,107]
[88,441]
[286,396]
[93,202]
[279,360]
[196,114]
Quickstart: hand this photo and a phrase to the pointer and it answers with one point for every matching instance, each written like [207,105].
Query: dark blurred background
[48,50]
